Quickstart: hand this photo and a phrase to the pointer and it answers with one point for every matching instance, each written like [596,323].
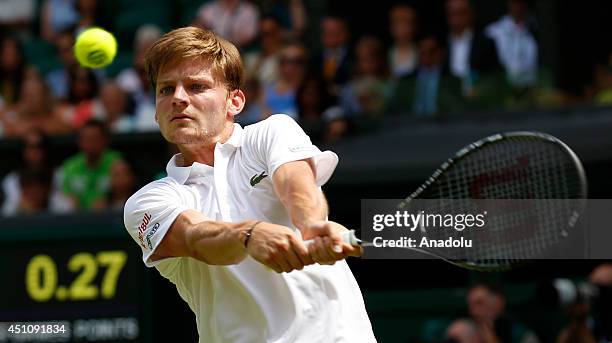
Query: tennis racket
[514,165]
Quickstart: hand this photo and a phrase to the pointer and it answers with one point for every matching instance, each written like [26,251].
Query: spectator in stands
[578,330]
[16,16]
[591,315]
[134,81]
[72,15]
[234,20]
[279,97]
[291,15]
[471,53]
[35,190]
[122,186]
[319,114]
[58,16]
[35,110]
[35,160]
[486,306]
[514,36]
[38,166]
[403,53]
[12,70]
[464,331]
[335,61]
[86,175]
[111,107]
[83,88]
[431,89]
[367,92]
[58,79]
[254,109]
[601,277]
[263,64]
[88,14]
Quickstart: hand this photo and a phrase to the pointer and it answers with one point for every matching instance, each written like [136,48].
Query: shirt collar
[182,174]
[235,139]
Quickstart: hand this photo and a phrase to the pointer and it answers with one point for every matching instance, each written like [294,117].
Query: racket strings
[520,168]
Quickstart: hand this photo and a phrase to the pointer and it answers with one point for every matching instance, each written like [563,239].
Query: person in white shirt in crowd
[235,20]
[16,16]
[516,44]
[227,225]
[471,54]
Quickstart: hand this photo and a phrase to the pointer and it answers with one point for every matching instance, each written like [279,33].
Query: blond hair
[198,44]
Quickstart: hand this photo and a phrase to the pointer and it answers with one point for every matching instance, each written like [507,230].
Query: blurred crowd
[340,84]
[96,178]
[586,308]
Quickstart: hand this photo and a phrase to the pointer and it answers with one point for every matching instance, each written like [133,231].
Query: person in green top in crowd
[86,175]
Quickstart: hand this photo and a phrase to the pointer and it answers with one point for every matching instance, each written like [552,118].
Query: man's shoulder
[275,121]
[266,130]
[163,185]
[159,193]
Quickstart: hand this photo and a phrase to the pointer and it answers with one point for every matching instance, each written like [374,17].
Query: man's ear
[235,102]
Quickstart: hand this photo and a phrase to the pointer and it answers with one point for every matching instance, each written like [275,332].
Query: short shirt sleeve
[149,213]
[283,140]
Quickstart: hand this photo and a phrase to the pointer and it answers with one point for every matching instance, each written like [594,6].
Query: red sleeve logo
[142,228]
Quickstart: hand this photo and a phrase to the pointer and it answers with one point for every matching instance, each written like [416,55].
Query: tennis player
[227,225]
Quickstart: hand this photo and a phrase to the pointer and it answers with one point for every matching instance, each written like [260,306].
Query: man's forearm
[213,242]
[306,205]
[217,243]
[300,195]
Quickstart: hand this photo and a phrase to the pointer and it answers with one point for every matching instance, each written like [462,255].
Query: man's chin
[190,138]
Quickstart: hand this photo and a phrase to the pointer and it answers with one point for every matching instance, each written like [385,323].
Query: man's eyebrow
[164,81]
[187,78]
[200,78]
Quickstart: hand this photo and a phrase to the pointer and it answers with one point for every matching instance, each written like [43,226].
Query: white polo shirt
[248,302]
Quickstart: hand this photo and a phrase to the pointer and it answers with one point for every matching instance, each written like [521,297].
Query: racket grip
[347,237]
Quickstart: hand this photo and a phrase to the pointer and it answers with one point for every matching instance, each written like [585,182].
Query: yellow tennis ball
[95,48]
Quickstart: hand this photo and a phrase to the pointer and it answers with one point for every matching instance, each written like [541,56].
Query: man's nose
[180,97]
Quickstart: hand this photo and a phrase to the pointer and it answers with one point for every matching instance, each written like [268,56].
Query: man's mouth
[180,116]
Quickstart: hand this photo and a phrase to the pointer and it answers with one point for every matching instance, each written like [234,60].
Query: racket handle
[347,237]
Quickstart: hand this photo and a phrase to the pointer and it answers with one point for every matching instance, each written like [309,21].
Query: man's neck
[463,33]
[203,153]
[404,44]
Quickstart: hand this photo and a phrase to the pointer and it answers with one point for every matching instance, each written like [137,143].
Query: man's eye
[198,87]
[166,90]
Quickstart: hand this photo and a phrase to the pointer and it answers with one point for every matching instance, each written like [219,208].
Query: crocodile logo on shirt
[257,178]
